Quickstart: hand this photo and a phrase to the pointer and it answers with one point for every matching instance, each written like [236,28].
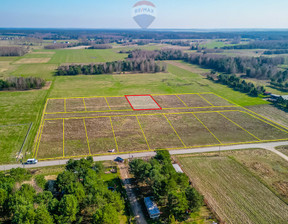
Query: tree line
[252,67]
[135,66]
[280,51]
[171,190]
[79,195]
[264,44]
[239,84]
[100,46]
[13,51]
[22,83]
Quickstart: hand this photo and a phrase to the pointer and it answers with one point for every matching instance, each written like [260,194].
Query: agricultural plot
[234,193]
[119,124]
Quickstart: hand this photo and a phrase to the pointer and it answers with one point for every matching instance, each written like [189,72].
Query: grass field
[70,130]
[85,56]
[283,149]
[26,107]
[19,108]
[235,194]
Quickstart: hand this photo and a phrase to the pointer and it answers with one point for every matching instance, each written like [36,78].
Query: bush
[20,174]
[40,181]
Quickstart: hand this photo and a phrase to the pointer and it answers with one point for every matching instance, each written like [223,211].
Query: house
[152,208]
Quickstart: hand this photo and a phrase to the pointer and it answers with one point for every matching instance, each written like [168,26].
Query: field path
[134,203]
[268,146]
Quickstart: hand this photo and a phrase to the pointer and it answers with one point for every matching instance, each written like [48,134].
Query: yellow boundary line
[215,145]
[240,127]
[86,112]
[39,130]
[133,115]
[174,130]
[205,99]
[38,140]
[107,103]
[181,100]
[207,129]
[84,104]
[273,122]
[114,134]
[63,138]
[143,133]
[87,136]
[264,121]
[65,105]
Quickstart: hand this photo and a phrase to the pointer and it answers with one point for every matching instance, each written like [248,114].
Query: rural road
[135,204]
[269,146]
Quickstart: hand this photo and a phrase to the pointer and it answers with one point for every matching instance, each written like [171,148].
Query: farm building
[152,208]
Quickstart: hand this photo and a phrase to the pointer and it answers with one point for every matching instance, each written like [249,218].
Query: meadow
[236,194]
[27,106]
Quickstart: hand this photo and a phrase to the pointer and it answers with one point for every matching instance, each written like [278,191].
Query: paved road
[269,146]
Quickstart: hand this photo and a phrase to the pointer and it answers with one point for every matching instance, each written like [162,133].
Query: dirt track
[134,203]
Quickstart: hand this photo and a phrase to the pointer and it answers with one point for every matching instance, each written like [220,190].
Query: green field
[26,107]
[234,193]
[85,56]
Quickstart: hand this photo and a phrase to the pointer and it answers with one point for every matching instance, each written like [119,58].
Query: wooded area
[79,195]
[171,190]
[135,66]
[13,51]
[21,83]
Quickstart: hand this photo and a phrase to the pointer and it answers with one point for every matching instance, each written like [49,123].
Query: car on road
[31,161]
[119,159]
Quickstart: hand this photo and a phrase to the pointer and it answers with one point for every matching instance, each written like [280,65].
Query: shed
[177,168]
[152,208]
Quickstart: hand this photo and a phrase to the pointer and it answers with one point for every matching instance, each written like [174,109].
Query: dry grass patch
[75,138]
[159,133]
[168,101]
[223,129]
[96,104]
[118,103]
[73,105]
[51,141]
[194,100]
[191,131]
[233,192]
[255,126]
[216,100]
[32,60]
[100,135]
[128,134]
[55,105]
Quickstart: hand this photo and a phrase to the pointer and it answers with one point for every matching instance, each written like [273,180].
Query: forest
[78,195]
[13,51]
[21,83]
[264,44]
[238,84]
[253,67]
[171,190]
[135,66]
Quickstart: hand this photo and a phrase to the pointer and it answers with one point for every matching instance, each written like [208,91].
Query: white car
[31,161]
[111,150]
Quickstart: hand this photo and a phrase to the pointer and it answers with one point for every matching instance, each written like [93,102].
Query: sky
[171,14]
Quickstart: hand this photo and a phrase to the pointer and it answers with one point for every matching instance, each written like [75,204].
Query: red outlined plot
[143,102]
